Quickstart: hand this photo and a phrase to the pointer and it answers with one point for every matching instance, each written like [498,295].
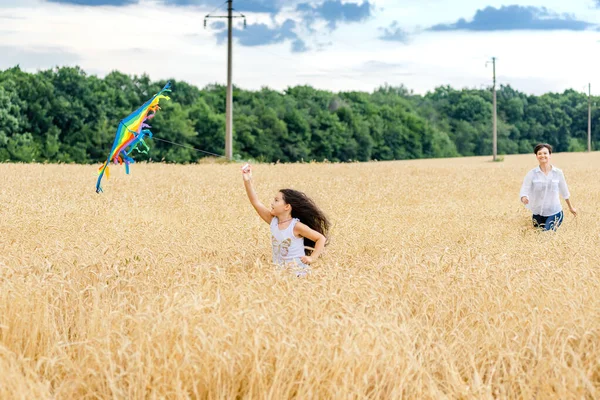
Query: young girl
[295,221]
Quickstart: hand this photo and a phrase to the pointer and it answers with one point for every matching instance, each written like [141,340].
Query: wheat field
[434,285]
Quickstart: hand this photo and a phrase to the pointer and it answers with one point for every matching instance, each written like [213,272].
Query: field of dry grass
[434,285]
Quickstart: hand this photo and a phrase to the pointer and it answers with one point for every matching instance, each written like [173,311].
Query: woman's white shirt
[543,191]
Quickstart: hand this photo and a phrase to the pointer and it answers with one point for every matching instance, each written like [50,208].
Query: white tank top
[286,246]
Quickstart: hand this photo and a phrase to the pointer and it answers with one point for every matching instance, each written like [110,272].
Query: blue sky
[541,46]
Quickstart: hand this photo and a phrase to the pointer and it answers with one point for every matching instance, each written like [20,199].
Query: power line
[217,7]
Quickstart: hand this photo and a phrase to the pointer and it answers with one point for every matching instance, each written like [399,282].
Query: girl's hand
[307,260]
[573,211]
[247,172]
[525,200]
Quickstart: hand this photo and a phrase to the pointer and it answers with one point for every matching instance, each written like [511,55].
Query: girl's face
[278,205]
[543,155]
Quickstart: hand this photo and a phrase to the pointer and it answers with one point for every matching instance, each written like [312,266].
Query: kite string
[188,147]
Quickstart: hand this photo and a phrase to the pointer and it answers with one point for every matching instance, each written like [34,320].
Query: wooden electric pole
[229,93]
[494,114]
[589,117]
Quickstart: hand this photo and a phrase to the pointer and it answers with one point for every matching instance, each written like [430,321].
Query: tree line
[65,115]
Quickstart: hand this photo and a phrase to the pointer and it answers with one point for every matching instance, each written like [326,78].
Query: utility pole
[494,115]
[589,117]
[229,93]
[229,101]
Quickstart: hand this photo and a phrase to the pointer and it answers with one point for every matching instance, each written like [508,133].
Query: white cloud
[36,57]
[170,42]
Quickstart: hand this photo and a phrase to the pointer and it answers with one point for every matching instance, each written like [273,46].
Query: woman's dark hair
[541,146]
[307,212]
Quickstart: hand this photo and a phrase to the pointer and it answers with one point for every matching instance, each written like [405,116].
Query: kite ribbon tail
[100,174]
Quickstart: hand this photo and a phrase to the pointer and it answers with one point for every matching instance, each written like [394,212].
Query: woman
[541,188]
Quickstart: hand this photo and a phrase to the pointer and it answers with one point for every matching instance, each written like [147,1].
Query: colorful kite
[131,133]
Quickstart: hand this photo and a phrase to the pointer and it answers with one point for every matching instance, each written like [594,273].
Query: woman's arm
[525,188]
[303,230]
[564,192]
[260,208]
[571,208]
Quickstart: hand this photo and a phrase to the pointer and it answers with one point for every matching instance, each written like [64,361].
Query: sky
[338,45]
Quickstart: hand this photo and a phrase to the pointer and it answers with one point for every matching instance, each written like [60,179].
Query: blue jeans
[547,223]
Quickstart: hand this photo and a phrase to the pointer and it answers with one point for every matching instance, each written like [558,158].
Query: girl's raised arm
[260,208]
